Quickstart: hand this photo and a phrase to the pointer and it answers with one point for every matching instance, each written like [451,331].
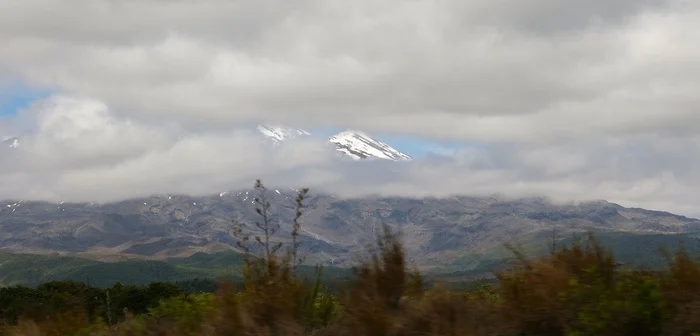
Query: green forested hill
[31,269]
[630,249]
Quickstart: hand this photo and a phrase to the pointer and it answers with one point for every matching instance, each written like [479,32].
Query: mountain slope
[436,232]
[628,248]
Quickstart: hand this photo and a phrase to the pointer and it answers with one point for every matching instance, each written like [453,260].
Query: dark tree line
[110,304]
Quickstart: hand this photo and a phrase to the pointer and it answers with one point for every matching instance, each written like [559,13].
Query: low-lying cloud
[78,151]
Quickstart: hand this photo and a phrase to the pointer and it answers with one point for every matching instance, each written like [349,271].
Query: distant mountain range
[452,233]
[455,233]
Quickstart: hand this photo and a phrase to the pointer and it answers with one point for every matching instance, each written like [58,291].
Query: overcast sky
[595,99]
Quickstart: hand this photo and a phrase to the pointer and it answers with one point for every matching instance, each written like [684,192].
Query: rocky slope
[335,231]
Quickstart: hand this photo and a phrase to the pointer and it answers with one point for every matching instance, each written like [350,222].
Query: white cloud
[496,71]
[77,150]
[594,99]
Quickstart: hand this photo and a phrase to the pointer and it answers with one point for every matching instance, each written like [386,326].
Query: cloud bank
[79,151]
[574,100]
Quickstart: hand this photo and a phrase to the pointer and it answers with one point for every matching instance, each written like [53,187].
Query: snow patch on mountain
[354,144]
[277,133]
[359,145]
[10,142]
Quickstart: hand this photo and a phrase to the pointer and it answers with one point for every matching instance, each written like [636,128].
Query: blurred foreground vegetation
[576,289]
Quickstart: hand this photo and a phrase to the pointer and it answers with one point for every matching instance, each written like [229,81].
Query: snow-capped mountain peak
[359,145]
[10,142]
[278,133]
[355,144]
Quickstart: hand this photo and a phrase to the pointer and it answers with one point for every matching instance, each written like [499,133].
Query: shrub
[575,290]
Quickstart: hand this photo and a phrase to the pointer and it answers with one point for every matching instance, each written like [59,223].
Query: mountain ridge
[436,231]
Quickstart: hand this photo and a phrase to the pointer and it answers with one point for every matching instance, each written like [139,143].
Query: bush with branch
[573,290]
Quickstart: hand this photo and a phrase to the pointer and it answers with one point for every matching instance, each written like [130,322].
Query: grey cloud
[576,100]
[650,171]
[552,17]
[492,71]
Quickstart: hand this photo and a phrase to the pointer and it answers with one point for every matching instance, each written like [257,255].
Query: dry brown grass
[576,290]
